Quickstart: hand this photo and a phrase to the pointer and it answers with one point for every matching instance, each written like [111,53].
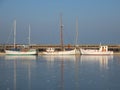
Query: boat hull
[69,52]
[30,52]
[95,52]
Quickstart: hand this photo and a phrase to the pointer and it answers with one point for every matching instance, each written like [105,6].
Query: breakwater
[41,47]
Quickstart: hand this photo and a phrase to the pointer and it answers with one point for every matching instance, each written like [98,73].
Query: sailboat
[52,51]
[22,50]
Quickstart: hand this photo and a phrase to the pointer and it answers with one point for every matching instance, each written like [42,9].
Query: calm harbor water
[60,72]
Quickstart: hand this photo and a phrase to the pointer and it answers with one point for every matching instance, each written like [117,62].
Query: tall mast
[76,30]
[14,33]
[61,32]
[29,35]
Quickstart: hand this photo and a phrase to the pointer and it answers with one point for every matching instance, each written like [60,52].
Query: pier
[41,47]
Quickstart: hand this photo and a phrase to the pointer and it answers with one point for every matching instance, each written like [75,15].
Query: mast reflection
[23,62]
[62,59]
[15,75]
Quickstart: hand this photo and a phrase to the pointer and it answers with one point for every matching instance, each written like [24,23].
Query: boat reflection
[30,57]
[63,62]
[60,57]
[102,59]
[21,63]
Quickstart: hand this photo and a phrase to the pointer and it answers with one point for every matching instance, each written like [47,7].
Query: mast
[29,35]
[76,30]
[14,33]
[61,32]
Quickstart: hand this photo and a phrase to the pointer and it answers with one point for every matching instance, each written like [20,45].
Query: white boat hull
[69,52]
[94,52]
[30,52]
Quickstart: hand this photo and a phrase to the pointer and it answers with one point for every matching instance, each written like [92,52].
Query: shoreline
[116,53]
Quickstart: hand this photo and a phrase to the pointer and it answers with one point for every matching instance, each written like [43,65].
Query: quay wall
[41,47]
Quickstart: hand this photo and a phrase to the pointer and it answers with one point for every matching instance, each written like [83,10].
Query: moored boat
[20,51]
[52,51]
[103,50]
[63,51]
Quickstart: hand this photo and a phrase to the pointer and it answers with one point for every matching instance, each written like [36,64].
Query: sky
[98,21]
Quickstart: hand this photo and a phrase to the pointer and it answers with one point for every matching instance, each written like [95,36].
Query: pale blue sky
[99,20]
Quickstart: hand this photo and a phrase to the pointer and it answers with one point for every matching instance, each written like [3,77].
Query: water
[60,72]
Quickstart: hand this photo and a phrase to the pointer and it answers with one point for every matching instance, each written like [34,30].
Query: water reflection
[30,57]
[59,58]
[20,63]
[102,60]
[67,64]
[14,77]
[67,72]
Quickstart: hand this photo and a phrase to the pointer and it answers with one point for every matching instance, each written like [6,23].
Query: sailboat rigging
[52,51]
[20,51]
